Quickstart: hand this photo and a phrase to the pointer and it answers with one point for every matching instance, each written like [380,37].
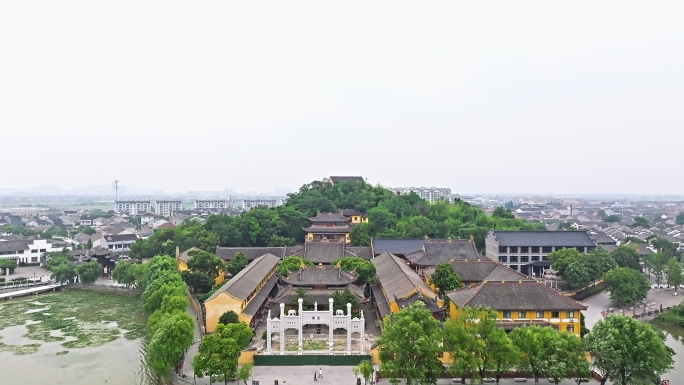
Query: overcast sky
[516,97]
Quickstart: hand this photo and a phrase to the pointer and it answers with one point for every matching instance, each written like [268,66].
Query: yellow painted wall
[219,305]
[532,314]
[246,357]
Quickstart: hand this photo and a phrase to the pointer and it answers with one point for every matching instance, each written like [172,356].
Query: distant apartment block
[201,204]
[166,208]
[248,204]
[430,194]
[132,207]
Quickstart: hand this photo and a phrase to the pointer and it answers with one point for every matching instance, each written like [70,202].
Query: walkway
[192,351]
[29,291]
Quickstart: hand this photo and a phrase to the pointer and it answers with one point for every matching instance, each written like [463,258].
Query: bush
[2,279]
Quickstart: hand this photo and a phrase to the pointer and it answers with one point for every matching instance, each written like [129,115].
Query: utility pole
[116,193]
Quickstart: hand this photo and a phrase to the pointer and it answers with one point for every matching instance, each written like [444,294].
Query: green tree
[170,305]
[89,272]
[365,270]
[657,264]
[674,274]
[229,317]
[236,263]
[89,244]
[546,352]
[197,281]
[626,286]
[680,218]
[240,332]
[360,235]
[292,263]
[380,220]
[10,264]
[598,261]
[217,355]
[171,339]
[627,351]
[561,259]
[577,274]
[477,346]
[245,372]
[364,369]
[124,272]
[612,218]
[87,230]
[570,359]
[342,298]
[641,221]
[444,278]
[665,246]
[204,262]
[300,292]
[63,273]
[626,256]
[410,344]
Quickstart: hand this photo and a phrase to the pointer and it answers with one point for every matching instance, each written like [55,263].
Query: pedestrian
[315,378]
[320,373]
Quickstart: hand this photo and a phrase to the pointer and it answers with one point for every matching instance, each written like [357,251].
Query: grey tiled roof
[15,245]
[526,295]
[430,303]
[321,296]
[397,279]
[337,229]
[252,253]
[330,217]
[319,275]
[543,238]
[383,306]
[396,246]
[482,270]
[261,297]
[247,280]
[442,250]
[323,252]
[121,238]
[184,255]
[358,251]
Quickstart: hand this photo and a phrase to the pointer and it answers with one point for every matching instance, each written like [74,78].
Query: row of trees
[412,342]
[170,328]
[389,216]
[59,264]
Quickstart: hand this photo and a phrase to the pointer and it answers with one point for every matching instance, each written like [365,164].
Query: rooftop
[544,238]
[510,295]
[247,280]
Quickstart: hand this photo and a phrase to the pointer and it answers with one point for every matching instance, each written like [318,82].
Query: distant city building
[166,208]
[248,204]
[211,204]
[430,194]
[132,207]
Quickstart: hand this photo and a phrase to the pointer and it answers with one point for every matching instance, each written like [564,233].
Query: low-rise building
[328,227]
[430,194]
[476,272]
[528,251]
[203,204]
[119,243]
[245,294]
[520,303]
[25,249]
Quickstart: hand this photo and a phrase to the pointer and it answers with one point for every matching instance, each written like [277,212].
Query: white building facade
[430,194]
[133,207]
[248,204]
[166,208]
[210,204]
[25,250]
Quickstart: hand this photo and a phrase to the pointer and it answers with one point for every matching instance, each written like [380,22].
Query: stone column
[299,328]
[268,333]
[330,326]
[282,329]
[363,333]
[349,332]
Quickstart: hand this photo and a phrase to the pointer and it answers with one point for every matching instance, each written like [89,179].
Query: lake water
[675,340]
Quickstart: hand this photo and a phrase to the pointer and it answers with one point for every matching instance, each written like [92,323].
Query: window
[20,252]
[507,314]
[535,249]
[503,258]
[570,314]
[43,250]
[524,258]
[535,258]
[34,251]
[467,284]
[513,249]
[540,313]
[545,258]
[570,328]
[34,259]
[503,249]
[547,249]
[554,314]
[580,249]
[522,314]
[513,267]
[514,258]
[524,249]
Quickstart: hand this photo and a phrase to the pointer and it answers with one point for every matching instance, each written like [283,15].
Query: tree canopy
[365,270]
[218,354]
[626,256]
[89,272]
[409,345]
[205,263]
[626,286]
[229,317]
[444,278]
[674,274]
[292,263]
[236,263]
[627,351]
[641,221]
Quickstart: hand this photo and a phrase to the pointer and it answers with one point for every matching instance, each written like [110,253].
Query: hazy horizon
[532,97]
